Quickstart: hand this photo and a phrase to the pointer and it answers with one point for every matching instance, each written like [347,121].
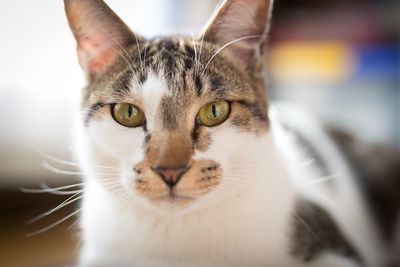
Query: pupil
[130,111]
[214,110]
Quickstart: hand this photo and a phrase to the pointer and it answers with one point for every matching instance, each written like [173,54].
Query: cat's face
[170,121]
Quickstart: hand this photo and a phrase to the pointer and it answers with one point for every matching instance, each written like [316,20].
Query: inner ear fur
[100,34]
[241,25]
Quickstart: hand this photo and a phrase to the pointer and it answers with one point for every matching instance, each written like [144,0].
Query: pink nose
[170,175]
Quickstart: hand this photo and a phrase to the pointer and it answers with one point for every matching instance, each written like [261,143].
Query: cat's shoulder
[315,232]
[331,216]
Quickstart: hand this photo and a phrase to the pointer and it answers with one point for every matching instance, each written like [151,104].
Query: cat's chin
[171,203]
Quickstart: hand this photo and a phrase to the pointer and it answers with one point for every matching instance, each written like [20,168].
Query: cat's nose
[170,175]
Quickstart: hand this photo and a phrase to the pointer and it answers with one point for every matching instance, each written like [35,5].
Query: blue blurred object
[378,61]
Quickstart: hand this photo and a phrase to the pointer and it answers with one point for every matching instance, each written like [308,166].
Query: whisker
[308,227]
[115,190]
[195,56]
[63,193]
[229,189]
[54,224]
[46,189]
[243,175]
[51,191]
[113,187]
[145,52]
[77,245]
[203,35]
[324,179]
[65,203]
[237,177]
[241,168]
[166,74]
[307,163]
[56,170]
[228,44]
[249,166]
[41,190]
[127,59]
[53,158]
[61,161]
[73,224]
[138,47]
[238,183]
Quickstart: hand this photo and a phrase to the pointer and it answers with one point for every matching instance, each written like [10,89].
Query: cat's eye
[127,114]
[214,113]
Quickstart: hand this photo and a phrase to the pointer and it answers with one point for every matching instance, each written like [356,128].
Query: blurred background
[340,59]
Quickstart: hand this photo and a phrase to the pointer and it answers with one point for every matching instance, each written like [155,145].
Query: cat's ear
[99,32]
[241,25]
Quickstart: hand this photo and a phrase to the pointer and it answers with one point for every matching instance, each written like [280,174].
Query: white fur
[152,92]
[224,229]
[243,222]
[243,229]
[344,202]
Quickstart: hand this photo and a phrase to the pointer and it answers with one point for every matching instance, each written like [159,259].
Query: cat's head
[171,120]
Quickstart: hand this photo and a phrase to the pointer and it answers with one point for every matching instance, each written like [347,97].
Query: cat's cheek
[116,140]
[236,152]
[229,145]
[116,147]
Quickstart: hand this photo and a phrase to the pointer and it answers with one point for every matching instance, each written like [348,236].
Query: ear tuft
[241,25]
[99,32]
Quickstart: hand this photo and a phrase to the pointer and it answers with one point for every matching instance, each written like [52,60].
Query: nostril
[170,175]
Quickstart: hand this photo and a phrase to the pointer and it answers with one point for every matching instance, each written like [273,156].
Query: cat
[187,163]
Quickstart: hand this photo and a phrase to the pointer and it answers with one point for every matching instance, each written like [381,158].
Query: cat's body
[184,164]
[263,225]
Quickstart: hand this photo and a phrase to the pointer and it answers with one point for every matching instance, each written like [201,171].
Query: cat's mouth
[162,188]
[174,198]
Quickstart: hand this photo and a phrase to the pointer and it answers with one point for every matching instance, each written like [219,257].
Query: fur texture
[236,203]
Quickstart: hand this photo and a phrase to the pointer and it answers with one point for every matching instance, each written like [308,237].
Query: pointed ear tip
[67,3]
[69,6]
[72,1]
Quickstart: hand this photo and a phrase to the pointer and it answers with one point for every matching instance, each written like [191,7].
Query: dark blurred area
[340,59]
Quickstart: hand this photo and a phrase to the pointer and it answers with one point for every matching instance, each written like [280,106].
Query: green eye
[214,113]
[127,114]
